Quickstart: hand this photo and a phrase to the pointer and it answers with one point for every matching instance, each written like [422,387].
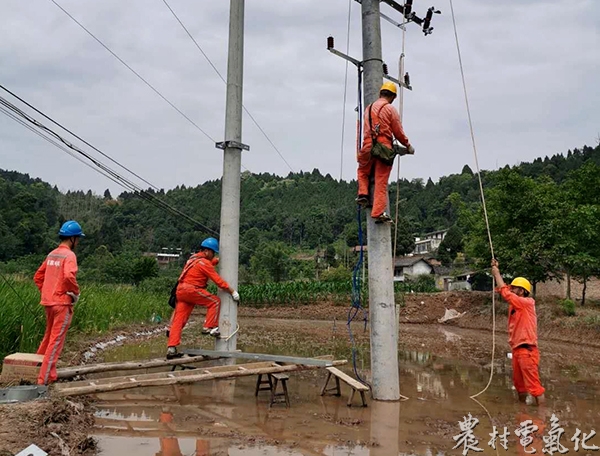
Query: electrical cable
[224,80]
[101,167]
[76,136]
[154,89]
[487,223]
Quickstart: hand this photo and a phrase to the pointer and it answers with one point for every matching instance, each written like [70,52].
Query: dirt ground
[567,344]
[53,425]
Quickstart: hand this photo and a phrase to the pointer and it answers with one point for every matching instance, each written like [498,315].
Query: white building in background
[429,243]
[411,266]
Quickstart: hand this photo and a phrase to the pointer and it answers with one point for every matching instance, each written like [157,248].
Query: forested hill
[303,210]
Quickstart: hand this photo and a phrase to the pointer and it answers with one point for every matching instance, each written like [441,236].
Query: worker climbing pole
[384,333]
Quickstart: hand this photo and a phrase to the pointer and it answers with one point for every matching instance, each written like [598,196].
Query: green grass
[101,307]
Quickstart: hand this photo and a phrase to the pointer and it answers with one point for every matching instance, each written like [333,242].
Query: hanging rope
[487,223]
[401,112]
[345,92]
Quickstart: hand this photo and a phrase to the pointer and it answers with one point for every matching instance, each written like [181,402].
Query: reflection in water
[224,418]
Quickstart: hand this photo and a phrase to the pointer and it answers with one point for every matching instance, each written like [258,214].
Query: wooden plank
[159,375]
[70,372]
[182,378]
[347,379]
[321,362]
[281,376]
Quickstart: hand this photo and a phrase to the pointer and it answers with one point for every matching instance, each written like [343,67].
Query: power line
[133,71]
[223,79]
[76,136]
[98,165]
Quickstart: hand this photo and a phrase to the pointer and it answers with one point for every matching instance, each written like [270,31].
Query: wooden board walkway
[70,372]
[183,377]
[318,361]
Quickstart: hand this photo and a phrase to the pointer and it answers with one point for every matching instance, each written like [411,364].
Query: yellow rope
[487,223]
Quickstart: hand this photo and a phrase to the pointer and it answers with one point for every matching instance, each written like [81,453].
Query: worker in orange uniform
[192,292]
[381,126]
[57,282]
[522,335]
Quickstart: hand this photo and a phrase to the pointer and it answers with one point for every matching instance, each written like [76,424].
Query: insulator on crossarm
[428,17]
[330,43]
[385,69]
[407,8]
[407,79]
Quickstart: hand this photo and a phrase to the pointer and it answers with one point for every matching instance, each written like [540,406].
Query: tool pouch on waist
[385,154]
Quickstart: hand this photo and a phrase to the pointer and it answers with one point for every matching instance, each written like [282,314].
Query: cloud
[531,69]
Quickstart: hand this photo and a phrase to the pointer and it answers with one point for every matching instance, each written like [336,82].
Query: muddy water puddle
[225,418]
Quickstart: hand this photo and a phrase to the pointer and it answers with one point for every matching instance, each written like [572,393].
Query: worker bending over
[57,282]
[381,126]
[522,335]
[191,291]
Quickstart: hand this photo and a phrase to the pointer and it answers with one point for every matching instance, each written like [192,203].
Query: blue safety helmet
[71,228]
[210,243]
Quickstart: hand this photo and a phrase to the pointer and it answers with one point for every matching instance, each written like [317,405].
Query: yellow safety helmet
[390,87]
[523,283]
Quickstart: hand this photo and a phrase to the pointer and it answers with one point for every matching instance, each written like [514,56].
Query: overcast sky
[532,70]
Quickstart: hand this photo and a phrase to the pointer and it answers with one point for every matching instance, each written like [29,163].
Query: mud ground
[569,347]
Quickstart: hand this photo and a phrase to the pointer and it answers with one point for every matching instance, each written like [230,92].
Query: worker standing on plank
[522,335]
[57,282]
[191,292]
[381,126]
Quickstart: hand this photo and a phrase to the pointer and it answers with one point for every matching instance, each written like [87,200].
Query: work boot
[214,332]
[362,200]
[172,353]
[384,218]
[205,331]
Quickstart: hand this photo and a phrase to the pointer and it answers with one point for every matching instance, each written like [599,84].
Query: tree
[271,262]
[107,195]
[405,242]
[450,246]
[144,268]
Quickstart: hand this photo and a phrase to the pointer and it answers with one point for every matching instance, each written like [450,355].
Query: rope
[401,112]
[487,223]
[345,92]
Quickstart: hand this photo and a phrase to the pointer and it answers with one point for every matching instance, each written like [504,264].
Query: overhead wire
[76,136]
[97,164]
[139,76]
[225,81]
[487,223]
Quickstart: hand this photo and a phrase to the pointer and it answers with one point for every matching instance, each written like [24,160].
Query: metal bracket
[359,64]
[231,144]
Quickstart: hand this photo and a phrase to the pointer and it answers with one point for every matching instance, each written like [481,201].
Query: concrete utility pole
[382,310]
[231,182]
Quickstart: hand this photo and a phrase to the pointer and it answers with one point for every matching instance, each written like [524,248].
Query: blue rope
[357,299]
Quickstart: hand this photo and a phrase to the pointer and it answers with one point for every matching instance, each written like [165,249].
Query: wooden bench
[271,383]
[354,384]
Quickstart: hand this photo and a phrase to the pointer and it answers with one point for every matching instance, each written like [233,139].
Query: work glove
[74,297]
[236,296]
[410,150]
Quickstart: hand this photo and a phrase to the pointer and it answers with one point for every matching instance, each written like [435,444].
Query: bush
[568,307]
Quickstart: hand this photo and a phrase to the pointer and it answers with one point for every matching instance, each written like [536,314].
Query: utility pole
[382,309]
[231,182]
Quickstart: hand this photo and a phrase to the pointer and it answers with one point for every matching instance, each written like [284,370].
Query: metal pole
[384,338]
[232,163]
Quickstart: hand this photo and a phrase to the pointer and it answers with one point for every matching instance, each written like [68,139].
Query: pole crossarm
[359,64]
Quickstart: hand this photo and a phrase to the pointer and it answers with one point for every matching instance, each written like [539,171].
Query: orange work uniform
[191,292]
[55,277]
[387,117]
[523,340]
